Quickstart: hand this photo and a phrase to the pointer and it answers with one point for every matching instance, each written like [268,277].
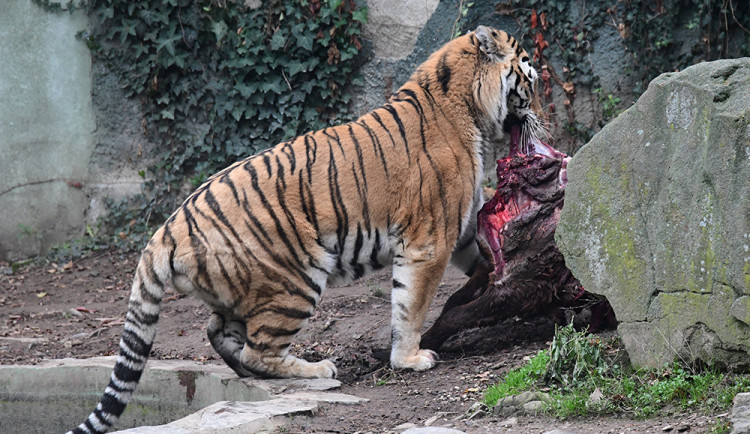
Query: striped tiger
[259,241]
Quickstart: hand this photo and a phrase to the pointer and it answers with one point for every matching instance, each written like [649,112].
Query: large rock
[657,212]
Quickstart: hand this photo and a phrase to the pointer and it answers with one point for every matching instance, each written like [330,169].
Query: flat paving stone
[233,416]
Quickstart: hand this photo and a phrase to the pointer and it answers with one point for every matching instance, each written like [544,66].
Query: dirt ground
[50,311]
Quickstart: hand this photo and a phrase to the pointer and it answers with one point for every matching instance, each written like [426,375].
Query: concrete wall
[46,122]
[68,136]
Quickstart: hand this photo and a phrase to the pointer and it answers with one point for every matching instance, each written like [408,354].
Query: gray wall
[46,125]
[68,137]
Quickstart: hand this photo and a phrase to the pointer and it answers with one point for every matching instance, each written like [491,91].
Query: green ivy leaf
[167,113]
[219,28]
[360,15]
[333,4]
[296,67]
[278,40]
[305,41]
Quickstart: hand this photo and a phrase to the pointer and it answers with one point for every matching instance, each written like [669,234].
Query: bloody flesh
[524,273]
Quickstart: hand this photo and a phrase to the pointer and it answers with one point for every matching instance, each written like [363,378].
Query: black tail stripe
[114,410]
[126,374]
[142,318]
[145,293]
[131,356]
[134,343]
[90,427]
[111,405]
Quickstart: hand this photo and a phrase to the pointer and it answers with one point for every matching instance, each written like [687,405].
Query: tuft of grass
[519,379]
[576,374]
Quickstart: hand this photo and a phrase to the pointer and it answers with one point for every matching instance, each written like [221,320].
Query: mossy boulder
[657,217]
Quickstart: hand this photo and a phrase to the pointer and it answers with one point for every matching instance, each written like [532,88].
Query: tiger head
[487,71]
[505,88]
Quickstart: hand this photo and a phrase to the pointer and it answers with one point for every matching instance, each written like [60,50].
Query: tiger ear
[487,44]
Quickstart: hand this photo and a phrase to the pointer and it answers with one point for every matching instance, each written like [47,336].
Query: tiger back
[259,241]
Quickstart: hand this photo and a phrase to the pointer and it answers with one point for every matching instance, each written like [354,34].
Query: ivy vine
[219,80]
[660,36]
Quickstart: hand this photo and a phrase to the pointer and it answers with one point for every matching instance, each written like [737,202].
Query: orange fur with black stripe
[260,240]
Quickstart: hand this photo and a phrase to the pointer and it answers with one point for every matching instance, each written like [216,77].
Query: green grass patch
[583,377]
[519,379]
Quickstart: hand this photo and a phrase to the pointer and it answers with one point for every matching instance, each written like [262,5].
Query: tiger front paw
[323,369]
[422,361]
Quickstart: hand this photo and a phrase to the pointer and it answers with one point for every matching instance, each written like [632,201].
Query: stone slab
[234,417]
[183,396]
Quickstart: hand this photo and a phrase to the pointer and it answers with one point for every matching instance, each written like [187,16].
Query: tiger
[259,241]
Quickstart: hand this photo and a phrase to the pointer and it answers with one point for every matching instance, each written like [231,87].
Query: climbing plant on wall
[221,79]
[660,36]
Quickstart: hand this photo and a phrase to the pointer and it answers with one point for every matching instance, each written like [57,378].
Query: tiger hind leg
[268,339]
[228,338]
[282,365]
[246,356]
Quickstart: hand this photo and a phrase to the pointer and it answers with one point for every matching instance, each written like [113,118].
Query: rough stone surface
[46,121]
[525,402]
[432,430]
[234,417]
[121,148]
[741,414]
[657,217]
[393,25]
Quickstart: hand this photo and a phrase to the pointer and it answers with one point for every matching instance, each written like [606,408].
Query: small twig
[731,8]
[455,23]
[285,79]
